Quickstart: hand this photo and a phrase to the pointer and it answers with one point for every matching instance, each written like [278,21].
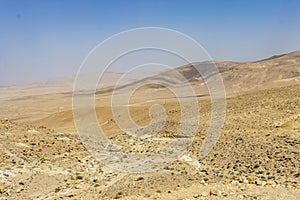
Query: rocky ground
[256,157]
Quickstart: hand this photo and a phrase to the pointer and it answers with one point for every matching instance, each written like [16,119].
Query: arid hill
[256,157]
[239,78]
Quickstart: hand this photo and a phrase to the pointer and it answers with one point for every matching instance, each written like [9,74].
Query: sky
[40,39]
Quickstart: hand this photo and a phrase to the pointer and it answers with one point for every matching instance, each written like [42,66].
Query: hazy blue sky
[41,39]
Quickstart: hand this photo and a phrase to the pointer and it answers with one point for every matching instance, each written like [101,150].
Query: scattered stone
[204,194]
[225,194]
[215,192]
[235,182]
[196,196]
[19,190]
[289,186]
[271,182]
[251,180]
[1,190]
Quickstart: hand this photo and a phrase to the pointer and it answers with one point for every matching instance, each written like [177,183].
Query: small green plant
[79,177]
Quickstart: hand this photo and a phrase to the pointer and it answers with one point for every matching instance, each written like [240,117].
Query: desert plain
[257,155]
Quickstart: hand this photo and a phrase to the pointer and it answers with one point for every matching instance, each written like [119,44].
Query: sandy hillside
[256,157]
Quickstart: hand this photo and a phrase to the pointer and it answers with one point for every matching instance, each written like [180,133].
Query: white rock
[191,161]
[245,181]
[33,131]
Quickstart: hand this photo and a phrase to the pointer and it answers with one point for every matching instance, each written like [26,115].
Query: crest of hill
[276,71]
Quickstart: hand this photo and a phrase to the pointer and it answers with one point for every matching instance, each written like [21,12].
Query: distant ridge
[272,57]
[280,56]
[275,71]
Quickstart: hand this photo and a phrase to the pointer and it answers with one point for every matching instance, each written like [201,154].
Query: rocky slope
[256,157]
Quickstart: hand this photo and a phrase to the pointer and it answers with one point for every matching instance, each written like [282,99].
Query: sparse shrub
[271,177]
[139,179]
[79,177]
[43,160]
[256,166]
[119,194]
